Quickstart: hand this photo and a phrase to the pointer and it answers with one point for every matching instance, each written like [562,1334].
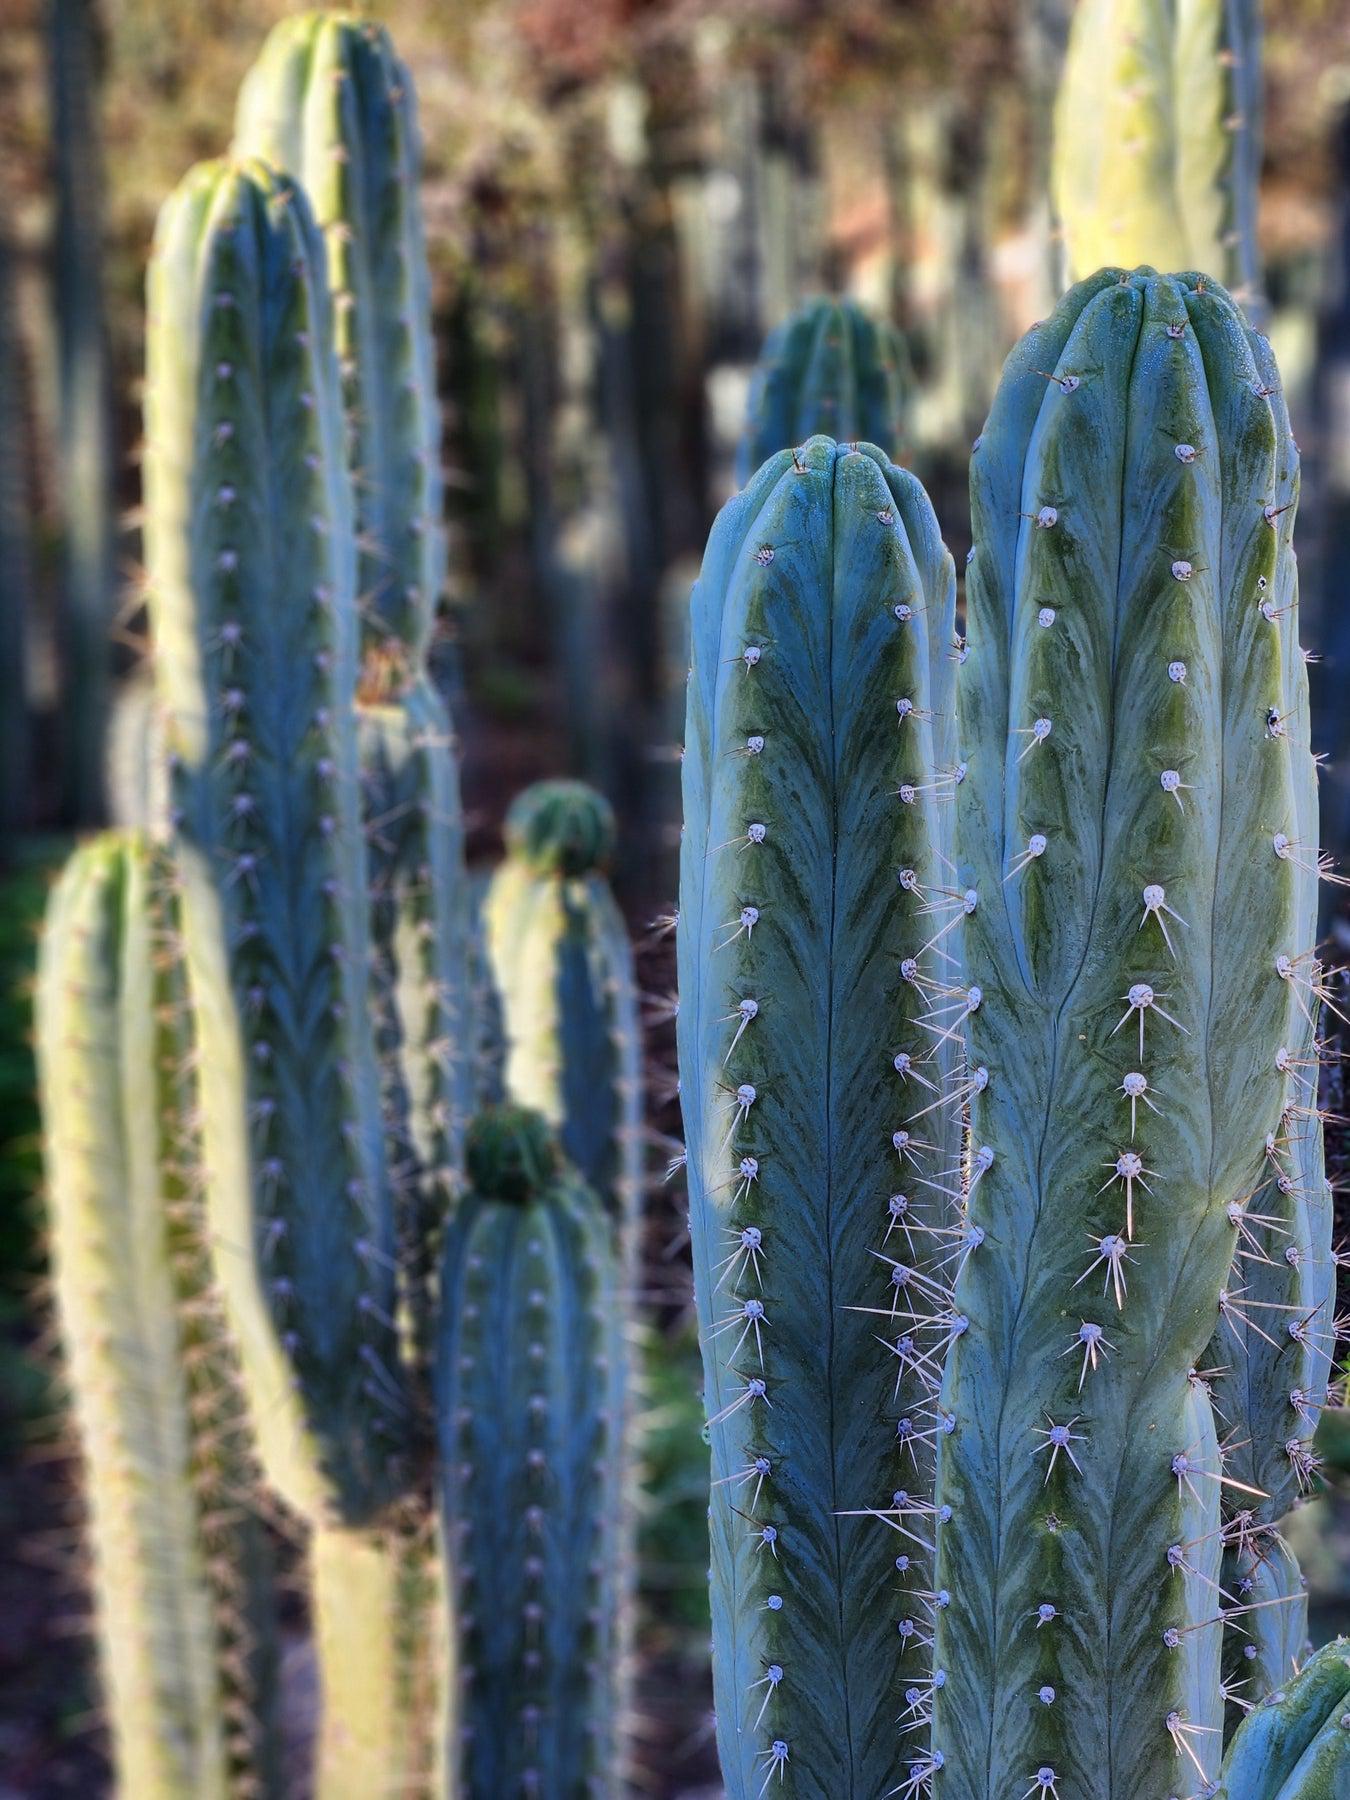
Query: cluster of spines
[329,103]
[830,368]
[182,1568]
[249,545]
[531,1401]
[824,1166]
[1113,671]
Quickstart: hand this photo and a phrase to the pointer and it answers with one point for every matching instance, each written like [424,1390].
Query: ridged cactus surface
[1157,150]
[823,1143]
[830,368]
[563,970]
[1295,1745]
[1142,956]
[329,103]
[531,1398]
[180,1569]
[252,586]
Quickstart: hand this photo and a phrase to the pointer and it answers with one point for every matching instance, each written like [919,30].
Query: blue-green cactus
[817,1012]
[252,587]
[531,1401]
[1141,957]
[830,368]
[180,1568]
[562,967]
[1295,1745]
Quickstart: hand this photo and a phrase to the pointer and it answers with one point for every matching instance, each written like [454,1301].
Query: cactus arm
[249,550]
[1154,656]
[1295,1745]
[805,570]
[380,1626]
[180,1573]
[1157,137]
[329,103]
[1262,1648]
[530,1403]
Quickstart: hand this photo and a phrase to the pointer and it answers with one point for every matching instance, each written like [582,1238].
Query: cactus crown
[561,828]
[511,1154]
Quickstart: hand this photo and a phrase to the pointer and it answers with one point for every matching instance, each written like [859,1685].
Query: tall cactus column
[1132,767]
[180,1569]
[252,572]
[817,1008]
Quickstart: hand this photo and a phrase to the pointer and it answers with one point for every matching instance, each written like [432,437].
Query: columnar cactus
[1158,137]
[830,368]
[329,102]
[817,1016]
[531,1399]
[1296,1744]
[252,584]
[180,1568]
[563,970]
[1134,821]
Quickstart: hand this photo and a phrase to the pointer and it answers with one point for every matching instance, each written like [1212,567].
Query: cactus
[531,1395]
[830,368]
[1296,1744]
[252,571]
[1158,137]
[329,103]
[1139,957]
[815,914]
[563,971]
[180,1567]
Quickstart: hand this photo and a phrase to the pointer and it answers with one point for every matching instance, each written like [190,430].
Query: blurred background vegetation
[622,197]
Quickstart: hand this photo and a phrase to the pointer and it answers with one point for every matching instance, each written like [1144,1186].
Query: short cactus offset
[531,1396]
[180,1569]
[830,368]
[1142,954]
[252,572]
[1158,137]
[563,970]
[823,1146]
[1295,1745]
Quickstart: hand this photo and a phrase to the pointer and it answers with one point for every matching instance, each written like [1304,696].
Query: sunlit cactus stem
[252,571]
[830,368]
[817,1015]
[531,1400]
[1157,154]
[1132,753]
[180,1569]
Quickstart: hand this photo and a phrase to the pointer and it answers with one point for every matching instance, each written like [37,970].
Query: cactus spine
[1296,1744]
[1124,712]
[531,1400]
[830,368]
[1158,137]
[252,571]
[180,1568]
[813,1018]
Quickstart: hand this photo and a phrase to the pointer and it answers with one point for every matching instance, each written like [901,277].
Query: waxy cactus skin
[180,1569]
[1134,913]
[1295,1745]
[830,368]
[822,1152]
[252,572]
[531,1396]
